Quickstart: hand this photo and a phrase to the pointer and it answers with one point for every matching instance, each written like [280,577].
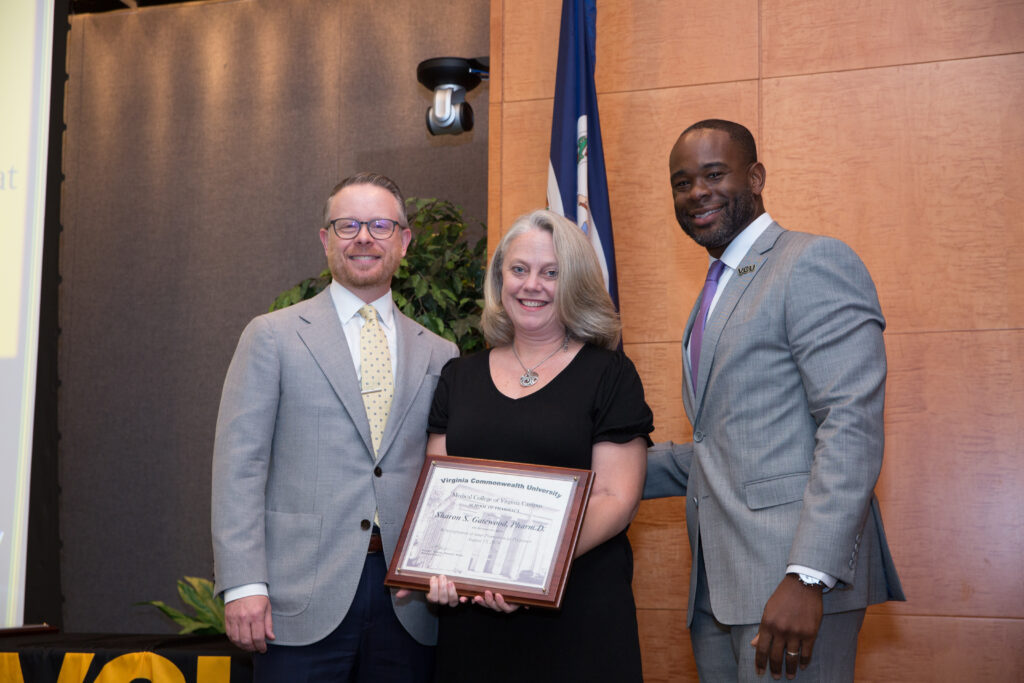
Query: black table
[97,658]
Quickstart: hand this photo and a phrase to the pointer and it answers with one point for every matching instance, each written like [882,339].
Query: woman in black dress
[552,390]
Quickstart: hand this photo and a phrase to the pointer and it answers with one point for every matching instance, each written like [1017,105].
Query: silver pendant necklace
[529,377]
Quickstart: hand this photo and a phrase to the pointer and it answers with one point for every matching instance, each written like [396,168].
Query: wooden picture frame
[507,527]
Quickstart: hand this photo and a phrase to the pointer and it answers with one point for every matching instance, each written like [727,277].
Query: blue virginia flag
[577,187]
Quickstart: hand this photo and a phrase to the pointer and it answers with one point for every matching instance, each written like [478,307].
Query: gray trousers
[723,652]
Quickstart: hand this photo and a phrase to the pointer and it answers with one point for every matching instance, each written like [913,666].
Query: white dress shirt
[732,257]
[348,304]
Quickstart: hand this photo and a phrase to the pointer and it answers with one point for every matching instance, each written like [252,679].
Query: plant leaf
[166,609]
[197,593]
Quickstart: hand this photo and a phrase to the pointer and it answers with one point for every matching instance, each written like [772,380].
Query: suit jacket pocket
[293,543]
[765,493]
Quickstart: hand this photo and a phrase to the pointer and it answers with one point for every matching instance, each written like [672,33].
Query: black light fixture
[451,78]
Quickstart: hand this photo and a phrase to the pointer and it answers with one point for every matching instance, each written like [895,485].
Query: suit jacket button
[695,501]
[364,525]
[698,436]
[852,563]
[377,471]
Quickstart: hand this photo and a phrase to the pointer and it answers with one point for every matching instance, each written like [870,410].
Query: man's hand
[789,627]
[248,622]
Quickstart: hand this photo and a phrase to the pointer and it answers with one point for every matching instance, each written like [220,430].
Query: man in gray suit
[320,440]
[784,369]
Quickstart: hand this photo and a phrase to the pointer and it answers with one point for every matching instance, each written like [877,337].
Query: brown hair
[369,178]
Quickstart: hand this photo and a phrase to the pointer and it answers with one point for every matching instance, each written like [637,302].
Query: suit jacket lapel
[411,369]
[745,274]
[321,332]
[688,397]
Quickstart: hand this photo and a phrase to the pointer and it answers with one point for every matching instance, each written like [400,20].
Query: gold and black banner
[82,658]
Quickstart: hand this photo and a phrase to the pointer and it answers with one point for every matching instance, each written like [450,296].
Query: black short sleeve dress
[593,637]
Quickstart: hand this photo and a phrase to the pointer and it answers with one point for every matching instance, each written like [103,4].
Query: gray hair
[584,306]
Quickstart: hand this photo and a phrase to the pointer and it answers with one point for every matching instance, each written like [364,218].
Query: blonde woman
[554,390]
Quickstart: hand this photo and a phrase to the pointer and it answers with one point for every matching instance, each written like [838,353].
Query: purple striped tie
[697,333]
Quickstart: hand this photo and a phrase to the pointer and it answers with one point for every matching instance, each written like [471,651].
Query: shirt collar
[348,304]
[740,245]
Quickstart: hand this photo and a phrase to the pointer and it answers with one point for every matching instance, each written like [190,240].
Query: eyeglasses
[379,228]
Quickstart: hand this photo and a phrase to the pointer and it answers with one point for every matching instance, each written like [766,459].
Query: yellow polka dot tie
[377,384]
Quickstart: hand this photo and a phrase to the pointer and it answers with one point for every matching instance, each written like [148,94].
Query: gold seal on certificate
[510,528]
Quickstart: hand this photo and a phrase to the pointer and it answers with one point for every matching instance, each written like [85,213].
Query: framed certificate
[510,528]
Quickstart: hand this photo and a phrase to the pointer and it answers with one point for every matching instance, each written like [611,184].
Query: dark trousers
[370,644]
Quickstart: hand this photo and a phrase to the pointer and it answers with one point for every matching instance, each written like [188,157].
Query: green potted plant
[208,608]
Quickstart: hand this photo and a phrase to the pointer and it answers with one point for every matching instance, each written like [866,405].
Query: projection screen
[26,34]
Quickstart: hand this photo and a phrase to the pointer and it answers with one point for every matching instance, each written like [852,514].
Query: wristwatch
[810,581]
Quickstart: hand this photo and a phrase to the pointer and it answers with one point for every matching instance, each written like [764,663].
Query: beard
[357,278]
[733,218]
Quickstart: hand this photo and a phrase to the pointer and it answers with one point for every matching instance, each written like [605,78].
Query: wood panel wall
[896,126]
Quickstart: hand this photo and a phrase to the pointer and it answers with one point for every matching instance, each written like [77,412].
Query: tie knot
[715,271]
[368,312]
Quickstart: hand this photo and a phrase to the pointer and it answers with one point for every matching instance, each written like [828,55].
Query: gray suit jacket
[787,431]
[294,477]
